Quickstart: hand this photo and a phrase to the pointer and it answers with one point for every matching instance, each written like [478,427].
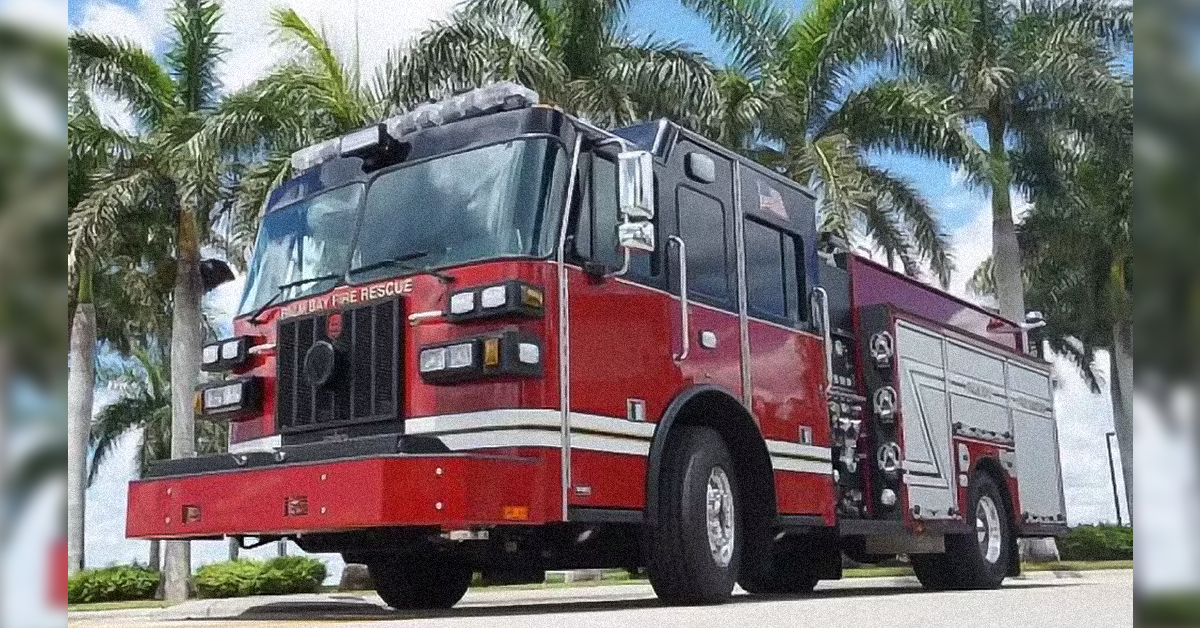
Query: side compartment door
[1039,472]
[925,422]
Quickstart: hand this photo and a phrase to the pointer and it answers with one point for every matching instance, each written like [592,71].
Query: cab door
[698,214]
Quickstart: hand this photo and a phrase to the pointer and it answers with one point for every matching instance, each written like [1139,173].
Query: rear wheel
[973,561]
[695,548]
[421,581]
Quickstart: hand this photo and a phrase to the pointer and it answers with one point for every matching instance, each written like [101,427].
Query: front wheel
[973,561]
[695,547]
[432,580]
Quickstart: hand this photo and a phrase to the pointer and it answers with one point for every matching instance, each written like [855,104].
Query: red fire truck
[488,336]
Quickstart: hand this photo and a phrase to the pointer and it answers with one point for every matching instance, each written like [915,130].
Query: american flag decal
[770,200]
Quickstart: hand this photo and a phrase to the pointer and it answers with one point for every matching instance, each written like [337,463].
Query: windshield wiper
[283,287]
[401,261]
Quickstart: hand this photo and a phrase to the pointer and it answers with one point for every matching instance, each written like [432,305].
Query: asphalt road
[1045,600]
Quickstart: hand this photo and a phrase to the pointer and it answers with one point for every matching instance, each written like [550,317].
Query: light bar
[504,96]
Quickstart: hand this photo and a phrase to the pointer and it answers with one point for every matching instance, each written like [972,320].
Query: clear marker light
[229,350]
[210,354]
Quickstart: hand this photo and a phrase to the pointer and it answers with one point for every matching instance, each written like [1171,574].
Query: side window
[596,231]
[766,288]
[774,281]
[702,227]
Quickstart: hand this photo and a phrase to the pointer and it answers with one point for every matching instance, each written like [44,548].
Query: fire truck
[486,336]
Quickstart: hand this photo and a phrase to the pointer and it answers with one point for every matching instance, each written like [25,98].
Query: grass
[117,606]
[1079,565]
[620,576]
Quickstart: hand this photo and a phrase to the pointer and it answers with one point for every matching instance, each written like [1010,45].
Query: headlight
[462,303]
[226,398]
[433,359]
[509,299]
[509,354]
[224,355]
[493,297]
[460,356]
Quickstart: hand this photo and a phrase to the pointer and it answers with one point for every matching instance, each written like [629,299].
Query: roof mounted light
[493,98]
[362,140]
[316,154]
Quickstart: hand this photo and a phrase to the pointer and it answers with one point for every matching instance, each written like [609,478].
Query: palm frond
[195,53]
[914,118]
[125,70]
[664,78]
[751,29]
[916,215]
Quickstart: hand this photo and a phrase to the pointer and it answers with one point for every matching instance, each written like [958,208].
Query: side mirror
[636,236]
[1033,320]
[635,176]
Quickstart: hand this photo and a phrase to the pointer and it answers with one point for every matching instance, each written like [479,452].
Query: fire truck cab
[487,336]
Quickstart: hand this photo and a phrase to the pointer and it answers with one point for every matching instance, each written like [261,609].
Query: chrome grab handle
[683,298]
[821,302]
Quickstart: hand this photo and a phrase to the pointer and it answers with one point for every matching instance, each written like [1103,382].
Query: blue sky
[964,213]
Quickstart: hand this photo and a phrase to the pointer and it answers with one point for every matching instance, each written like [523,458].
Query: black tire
[432,580]
[683,569]
[966,564]
[792,571]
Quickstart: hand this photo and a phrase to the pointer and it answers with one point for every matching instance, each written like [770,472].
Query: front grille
[365,386]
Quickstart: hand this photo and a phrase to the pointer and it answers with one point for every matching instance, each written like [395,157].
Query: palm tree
[144,405]
[163,171]
[781,101]
[575,53]
[1077,256]
[311,98]
[1018,72]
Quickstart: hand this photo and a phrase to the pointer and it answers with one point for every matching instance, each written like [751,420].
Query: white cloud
[250,39]
[145,25]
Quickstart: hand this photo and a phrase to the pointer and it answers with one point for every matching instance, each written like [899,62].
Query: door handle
[685,323]
[820,300]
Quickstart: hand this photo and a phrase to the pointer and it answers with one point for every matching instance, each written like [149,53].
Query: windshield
[480,204]
[475,205]
[307,239]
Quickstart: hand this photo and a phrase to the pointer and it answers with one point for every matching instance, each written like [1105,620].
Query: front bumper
[449,491]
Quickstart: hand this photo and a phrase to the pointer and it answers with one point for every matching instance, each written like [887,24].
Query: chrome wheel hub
[987,529]
[719,516]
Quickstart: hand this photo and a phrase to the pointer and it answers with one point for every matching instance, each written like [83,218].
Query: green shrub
[118,583]
[230,579]
[1097,543]
[288,574]
[291,574]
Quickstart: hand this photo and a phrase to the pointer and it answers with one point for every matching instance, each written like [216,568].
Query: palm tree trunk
[81,382]
[156,556]
[1121,384]
[186,338]
[1010,289]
